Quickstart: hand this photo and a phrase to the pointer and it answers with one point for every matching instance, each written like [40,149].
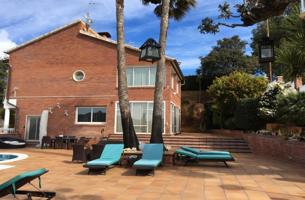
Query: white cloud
[5,43]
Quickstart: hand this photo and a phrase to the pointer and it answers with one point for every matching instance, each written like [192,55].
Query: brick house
[65,82]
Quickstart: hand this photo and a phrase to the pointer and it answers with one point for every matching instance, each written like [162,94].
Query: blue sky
[22,20]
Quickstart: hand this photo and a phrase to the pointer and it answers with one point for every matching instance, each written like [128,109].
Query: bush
[246,115]
[268,104]
[291,109]
[227,91]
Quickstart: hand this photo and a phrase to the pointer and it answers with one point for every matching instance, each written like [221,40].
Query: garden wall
[276,147]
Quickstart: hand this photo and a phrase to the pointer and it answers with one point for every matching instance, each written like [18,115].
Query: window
[90,115]
[141,76]
[175,119]
[141,113]
[172,81]
[78,75]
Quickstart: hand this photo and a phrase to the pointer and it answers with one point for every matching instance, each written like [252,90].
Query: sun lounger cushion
[186,153]
[221,157]
[214,157]
[110,155]
[147,163]
[20,180]
[152,156]
[198,151]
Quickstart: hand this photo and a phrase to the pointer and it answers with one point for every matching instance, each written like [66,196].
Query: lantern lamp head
[150,51]
[266,50]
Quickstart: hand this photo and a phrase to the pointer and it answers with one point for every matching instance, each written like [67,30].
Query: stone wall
[276,147]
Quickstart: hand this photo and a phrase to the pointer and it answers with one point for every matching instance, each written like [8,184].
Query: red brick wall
[276,147]
[41,77]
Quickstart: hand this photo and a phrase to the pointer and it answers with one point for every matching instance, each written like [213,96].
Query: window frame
[74,75]
[116,110]
[149,67]
[89,123]
[175,118]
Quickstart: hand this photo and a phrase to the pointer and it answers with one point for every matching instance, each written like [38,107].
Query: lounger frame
[38,193]
[189,159]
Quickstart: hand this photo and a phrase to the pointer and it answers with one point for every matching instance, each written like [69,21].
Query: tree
[227,91]
[227,56]
[278,31]
[249,12]
[291,52]
[165,9]
[129,135]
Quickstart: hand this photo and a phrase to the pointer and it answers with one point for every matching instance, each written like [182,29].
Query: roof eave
[42,36]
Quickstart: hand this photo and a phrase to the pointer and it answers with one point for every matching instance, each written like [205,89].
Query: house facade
[65,82]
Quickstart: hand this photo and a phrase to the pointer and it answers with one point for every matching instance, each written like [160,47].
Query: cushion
[214,157]
[147,163]
[198,151]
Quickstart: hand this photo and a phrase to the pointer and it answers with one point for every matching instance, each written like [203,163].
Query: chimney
[105,34]
[298,82]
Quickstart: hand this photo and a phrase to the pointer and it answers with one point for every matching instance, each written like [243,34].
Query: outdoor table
[168,157]
[67,140]
[126,157]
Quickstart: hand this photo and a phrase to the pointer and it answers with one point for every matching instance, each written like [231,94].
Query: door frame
[26,127]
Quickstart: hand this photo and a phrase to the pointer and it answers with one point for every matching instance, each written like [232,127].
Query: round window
[79,75]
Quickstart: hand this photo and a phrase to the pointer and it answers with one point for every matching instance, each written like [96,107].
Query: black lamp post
[266,50]
[150,51]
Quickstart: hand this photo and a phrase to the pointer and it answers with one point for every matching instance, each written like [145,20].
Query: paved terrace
[250,177]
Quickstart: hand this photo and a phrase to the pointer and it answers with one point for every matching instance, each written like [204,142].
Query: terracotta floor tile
[250,177]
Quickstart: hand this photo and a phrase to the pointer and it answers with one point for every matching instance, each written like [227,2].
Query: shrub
[291,109]
[268,104]
[226,91]
[246,115]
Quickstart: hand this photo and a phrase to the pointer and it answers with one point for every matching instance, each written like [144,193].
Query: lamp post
[150,51]
[266,51]
[302,13]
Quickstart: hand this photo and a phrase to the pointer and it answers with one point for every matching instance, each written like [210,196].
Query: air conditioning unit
[302,14]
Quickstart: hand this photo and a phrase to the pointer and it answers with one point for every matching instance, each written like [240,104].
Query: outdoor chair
[59,143]
[12,186]
[189,156]
[151,158]
[111,155]
[79,153]
[46,142]
[83,140]
[96,151]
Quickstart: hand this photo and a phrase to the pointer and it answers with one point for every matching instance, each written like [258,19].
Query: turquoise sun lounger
[151,158]
[199,151]
[111,155]
[204,156]
[12,186]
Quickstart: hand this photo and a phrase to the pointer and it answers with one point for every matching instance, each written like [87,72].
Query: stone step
[234,145]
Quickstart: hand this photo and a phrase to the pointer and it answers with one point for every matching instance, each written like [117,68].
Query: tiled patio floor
[250,177]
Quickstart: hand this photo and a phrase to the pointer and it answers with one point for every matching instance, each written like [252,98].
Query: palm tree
[129,135]
[291,52]
[165,9]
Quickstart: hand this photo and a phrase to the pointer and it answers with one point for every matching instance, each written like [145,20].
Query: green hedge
[246,115]
[291,109]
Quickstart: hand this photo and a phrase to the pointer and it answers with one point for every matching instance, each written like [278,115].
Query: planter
[276,147]
[274,127]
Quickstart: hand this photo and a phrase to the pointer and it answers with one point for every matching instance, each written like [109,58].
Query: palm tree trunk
[157,122]
[129,135]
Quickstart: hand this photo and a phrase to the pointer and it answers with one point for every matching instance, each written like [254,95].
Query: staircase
[221,143]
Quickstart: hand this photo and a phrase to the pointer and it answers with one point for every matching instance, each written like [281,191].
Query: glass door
[32,131]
